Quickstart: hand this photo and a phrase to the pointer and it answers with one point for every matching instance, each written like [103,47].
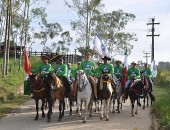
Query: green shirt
[44,69]
[97,72]
[118,71]
[61,70]
[70,72]
[147,72]
[133,72]
[88,67]
[108,68]
[75,71]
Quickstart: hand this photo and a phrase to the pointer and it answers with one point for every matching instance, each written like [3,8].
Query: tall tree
[110,26]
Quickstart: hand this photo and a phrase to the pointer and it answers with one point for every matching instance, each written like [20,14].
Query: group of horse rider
[68,74]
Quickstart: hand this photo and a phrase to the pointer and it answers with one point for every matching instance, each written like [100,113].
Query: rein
[39,90]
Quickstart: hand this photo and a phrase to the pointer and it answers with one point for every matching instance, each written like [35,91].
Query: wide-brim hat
[106,58]
[43,57]
[88,53]
[133,63]
[118,62]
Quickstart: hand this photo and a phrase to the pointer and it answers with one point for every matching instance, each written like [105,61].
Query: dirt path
[23,119]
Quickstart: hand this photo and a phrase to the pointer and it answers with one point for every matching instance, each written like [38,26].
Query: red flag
[27,65]
[125,68]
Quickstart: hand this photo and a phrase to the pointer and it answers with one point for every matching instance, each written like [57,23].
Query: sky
[144,10]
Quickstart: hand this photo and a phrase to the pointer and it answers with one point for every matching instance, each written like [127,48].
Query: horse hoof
[90,115]
[84,121]
[48,120]
[113,111]
[70,114]
[101,118]
[136,113]
[107,119]
[36,118]
[43,115]
[59,119]
[118,111]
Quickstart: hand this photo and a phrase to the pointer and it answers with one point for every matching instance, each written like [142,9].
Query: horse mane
[58,82]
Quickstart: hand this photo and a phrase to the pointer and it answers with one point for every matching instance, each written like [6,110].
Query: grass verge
[9,105]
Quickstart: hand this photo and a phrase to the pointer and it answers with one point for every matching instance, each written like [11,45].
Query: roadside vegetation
[10,85]
[162,103]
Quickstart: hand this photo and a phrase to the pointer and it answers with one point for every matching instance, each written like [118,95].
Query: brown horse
[135,90]
[147,90]
[58,91]
[105,93]
[39,91]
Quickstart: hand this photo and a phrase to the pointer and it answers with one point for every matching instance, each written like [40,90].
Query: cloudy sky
[144,10]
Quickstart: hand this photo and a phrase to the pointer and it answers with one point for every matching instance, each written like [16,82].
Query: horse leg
[90,106]
[113,96]
[107,109]
[36,102]
[71,104]
[147,98]
[118,104]
[63,109]
[144,103]
[49,109]
[60,109]
[132,103]
[85,114]
[101,110]
[78,107]
[42,108]
[136,112]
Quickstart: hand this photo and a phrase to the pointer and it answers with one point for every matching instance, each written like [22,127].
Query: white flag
[105,51]
[98,46]
[153,69]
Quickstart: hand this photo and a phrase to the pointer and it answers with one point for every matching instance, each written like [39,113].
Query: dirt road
[23,119]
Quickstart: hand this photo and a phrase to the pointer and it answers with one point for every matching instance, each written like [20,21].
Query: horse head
[53,81]
[82,80]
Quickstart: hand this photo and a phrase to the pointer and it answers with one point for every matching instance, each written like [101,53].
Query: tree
[91,19]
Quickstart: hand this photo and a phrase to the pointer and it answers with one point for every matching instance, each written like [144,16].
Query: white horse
[84,92]
[117,95]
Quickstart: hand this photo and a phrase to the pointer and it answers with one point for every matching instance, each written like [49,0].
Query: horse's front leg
[147,98]
[136,111]
[113,108]
[42,108]
[132,103]
[101,110]
[85,113]
[49,109]
[37,103]
[118,104]
[78,107]
[107,102]
[144,103]
[71,104]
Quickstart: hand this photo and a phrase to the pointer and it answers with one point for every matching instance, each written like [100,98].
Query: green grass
[9,105]
[9,85]
[162,103]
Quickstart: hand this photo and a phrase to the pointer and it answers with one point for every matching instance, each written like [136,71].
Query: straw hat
[106,58]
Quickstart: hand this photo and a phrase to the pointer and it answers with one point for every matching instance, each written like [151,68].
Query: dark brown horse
[58,91]
[39,91]
[147,90]
[135,90]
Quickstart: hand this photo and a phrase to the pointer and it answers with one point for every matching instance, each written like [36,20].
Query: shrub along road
[23,119]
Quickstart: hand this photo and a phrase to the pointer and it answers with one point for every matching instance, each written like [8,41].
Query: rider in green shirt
[76,69]
[60,70]
[132,73]
[88,66]
[70,73]
[118,70]
[107,68]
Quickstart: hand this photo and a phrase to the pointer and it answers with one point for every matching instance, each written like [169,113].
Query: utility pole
[146,56]
[87,26]
[153,35]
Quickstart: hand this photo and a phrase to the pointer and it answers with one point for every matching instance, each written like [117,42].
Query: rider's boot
[126,92]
